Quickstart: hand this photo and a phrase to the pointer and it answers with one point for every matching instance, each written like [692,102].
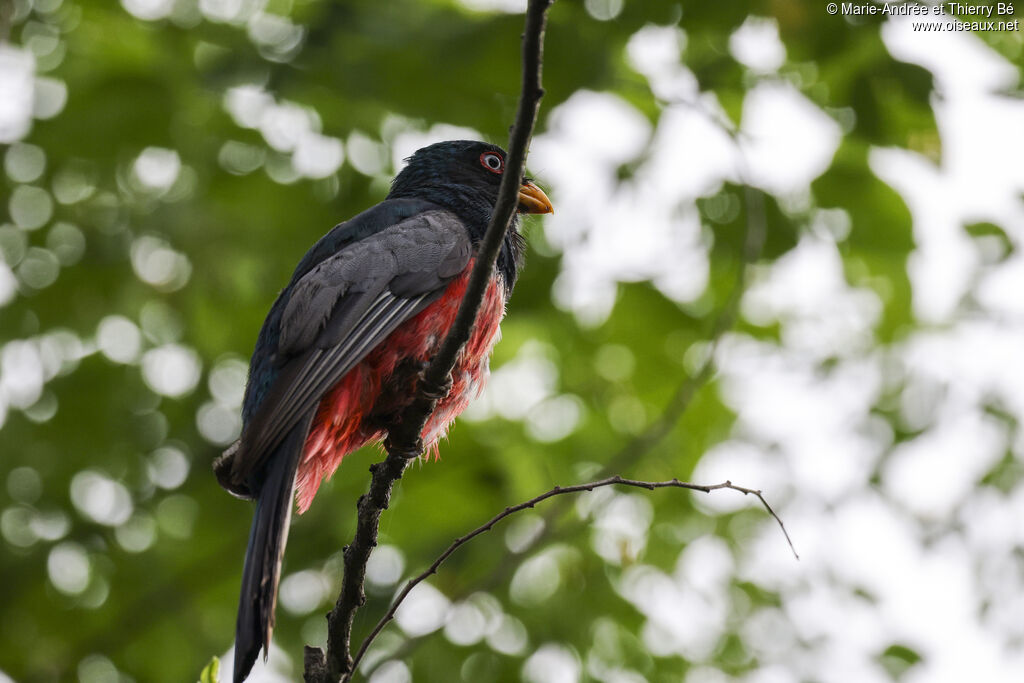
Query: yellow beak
[533,200]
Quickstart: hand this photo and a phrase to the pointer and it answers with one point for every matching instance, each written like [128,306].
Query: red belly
[354,412]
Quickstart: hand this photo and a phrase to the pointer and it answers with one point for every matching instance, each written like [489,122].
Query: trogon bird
[339,354]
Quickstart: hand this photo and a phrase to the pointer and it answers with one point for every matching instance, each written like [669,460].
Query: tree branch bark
[404,436]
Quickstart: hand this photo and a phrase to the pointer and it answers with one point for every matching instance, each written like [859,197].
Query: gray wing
[340,310]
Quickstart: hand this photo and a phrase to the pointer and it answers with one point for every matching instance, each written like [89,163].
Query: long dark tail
[267,539]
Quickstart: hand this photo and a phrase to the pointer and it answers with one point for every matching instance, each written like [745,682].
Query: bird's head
[464,176]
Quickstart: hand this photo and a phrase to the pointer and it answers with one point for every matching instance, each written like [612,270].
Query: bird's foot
[410,452]
[433,390]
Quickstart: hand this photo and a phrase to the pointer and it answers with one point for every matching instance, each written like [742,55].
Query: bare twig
[404,435]
[556,491]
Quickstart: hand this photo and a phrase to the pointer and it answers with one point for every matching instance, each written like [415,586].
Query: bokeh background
[167,162]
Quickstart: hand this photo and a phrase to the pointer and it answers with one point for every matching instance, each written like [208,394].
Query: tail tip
[244,660]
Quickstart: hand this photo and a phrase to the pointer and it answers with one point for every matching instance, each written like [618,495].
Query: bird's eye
[492,162]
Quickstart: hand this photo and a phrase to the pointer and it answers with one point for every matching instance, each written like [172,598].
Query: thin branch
[404,441]
[556,491]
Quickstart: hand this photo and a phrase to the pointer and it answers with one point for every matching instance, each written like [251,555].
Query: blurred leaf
[898,659]
[881,233]
[211,672]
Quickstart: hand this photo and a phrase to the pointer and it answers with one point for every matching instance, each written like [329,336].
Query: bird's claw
[434,391]
[407,452]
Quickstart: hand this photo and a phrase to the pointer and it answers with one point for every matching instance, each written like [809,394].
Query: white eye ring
[492,162]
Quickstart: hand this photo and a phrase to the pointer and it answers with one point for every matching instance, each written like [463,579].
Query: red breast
[351,414]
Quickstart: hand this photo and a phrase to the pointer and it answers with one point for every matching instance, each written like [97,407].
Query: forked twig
[556,491]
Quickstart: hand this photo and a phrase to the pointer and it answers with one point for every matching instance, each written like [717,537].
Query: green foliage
[881,234]
[898,659]
[210,672]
